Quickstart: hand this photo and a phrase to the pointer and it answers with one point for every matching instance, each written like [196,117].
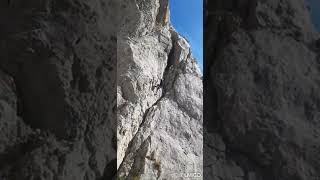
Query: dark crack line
[146,113]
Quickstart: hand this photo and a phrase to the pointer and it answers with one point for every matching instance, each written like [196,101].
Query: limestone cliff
[159,97]
[89,87]
[261,79]
[57,89]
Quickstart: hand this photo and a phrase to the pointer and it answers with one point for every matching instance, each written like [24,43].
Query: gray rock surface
[261,79]
[159,94]
[88,83]
[58,89]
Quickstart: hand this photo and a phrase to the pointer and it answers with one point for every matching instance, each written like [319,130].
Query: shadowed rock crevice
[43,99]
[110,170]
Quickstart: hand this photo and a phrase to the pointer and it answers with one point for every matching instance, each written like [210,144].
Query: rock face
[58,89]
[89,87]
[261,79]
[159,94]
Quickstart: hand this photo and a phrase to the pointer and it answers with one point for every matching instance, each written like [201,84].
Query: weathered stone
[159,99]
[263,80]
[61,56]
[70,66]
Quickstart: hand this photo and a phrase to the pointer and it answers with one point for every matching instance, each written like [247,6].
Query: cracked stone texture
[60,62]
[58,89]
[159,94]
[262,84]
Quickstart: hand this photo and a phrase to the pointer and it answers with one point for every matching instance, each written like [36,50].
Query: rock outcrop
[159,97]
[85,84]
[261,83]
[58,89]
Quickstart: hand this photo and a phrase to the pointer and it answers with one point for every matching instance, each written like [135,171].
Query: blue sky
[187,19]
[315,12]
